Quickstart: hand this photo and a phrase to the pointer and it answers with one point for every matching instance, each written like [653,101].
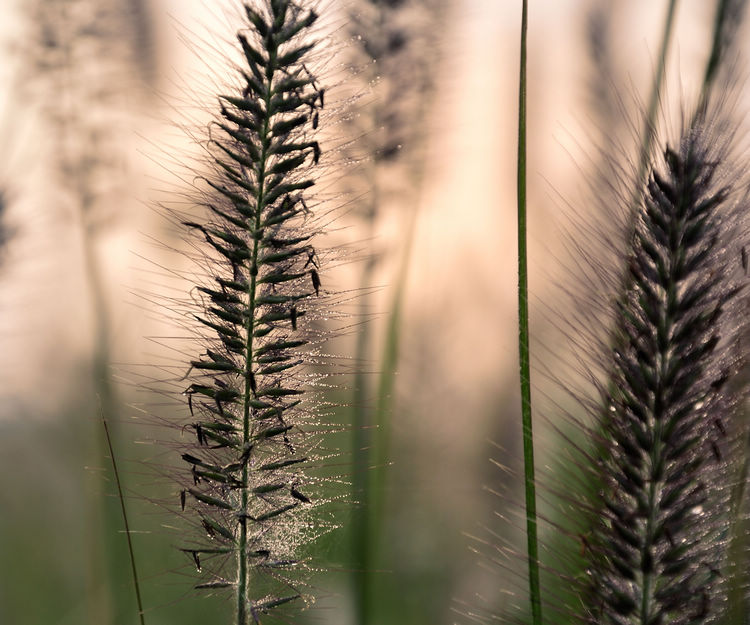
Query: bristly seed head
[246,485]
[657,547]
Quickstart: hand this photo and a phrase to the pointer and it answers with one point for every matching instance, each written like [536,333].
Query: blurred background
[101,105]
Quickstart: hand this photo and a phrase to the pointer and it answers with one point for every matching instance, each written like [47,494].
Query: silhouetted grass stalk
[80,53]
[385,398]
[387,377]
[728,18]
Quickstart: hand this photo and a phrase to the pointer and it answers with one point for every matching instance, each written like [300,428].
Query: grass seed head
[663,466]
[246,482]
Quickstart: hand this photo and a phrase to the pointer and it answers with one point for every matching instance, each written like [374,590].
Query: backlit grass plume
[247,489]
[660,518]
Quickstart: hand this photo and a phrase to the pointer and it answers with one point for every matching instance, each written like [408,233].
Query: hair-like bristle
[660,516]
[246,483]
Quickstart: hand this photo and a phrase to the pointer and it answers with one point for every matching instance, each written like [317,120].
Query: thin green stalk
[720,43]
[523,342]
[243,598]
[106,580]
[81,139]
[361,437]
[125,522]
[389,363]
[729,14]
[649,126]
[386,382]
[396,64]
[716,48]
[99,594]
[362,544]
[105,395]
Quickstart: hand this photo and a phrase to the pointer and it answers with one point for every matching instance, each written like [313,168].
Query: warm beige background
[456,383]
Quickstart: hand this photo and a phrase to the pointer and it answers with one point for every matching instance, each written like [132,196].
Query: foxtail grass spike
[246,488]
[656,550]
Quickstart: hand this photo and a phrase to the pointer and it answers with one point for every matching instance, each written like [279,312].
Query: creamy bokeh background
[456,382]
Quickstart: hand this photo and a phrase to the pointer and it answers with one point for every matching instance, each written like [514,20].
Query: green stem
[102,385]
[243,582]
[98,571]
[365,528]
[523,342]
[649,128]
[386,388]
[721,42]
[717,47]
[243,586]
[387,380]
[362,450]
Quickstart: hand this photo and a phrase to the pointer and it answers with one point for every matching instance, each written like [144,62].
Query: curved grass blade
[121,497]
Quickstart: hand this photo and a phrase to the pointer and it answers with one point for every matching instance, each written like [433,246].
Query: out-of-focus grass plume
[394,58]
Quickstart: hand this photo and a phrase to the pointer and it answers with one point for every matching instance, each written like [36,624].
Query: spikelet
[656,549]
[246,486]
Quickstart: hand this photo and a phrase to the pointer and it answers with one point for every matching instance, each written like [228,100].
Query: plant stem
[729,14]
[523,342]
[361,429]
[649,126]
[243,596]
[387,379]
[718,47]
